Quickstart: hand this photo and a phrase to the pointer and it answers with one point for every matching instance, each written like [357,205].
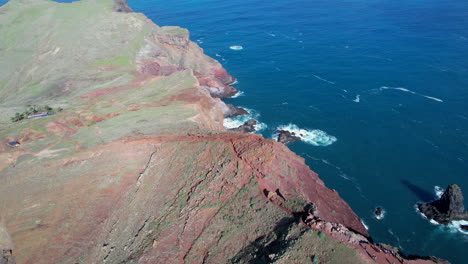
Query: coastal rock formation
[286,137]
[230,111]
[138,167]
[247,127]
[448,208]
[378,212]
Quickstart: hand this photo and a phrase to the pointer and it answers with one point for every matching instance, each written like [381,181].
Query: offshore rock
[378,212]
[247,127]
[449,207]
[286,137]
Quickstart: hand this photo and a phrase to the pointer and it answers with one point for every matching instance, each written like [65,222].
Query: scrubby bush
[34,109]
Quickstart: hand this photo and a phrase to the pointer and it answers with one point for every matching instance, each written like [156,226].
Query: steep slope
[138,167]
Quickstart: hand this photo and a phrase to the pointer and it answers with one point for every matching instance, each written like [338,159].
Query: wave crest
[314,137]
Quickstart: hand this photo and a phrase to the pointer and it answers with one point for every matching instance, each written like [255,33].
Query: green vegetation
[321,235]
[34,109]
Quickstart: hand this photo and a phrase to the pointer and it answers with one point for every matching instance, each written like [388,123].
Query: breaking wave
[456,226]
[237,121]
[438,191]
[364,224]
[453,227]
[314,137]
[236,47]
[381,216]
[239,93]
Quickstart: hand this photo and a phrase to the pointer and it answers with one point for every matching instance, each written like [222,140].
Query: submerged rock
[449,207]
[464,227]
[247,127]
[286,137]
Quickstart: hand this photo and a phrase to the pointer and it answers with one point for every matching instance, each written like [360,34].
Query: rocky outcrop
[448,208]
[230,111]
[6,256]
[247,127]
[122,6]
[286,137]
[378,212]
[6,246]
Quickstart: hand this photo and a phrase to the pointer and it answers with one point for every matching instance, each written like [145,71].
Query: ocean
[379,90]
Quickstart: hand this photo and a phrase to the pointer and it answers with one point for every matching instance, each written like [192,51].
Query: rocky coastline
[139,167]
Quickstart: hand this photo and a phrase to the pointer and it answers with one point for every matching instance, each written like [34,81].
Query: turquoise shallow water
[387,79]
[306,62]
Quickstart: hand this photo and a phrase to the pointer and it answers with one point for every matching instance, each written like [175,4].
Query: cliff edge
[137,167]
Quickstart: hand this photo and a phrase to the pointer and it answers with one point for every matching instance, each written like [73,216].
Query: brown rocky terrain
[138,167]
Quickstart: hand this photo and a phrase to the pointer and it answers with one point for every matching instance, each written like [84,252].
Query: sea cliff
[138,167]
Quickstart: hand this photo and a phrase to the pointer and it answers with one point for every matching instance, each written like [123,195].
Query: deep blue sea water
[387,79]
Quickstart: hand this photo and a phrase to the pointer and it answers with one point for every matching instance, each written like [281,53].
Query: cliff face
[138,167]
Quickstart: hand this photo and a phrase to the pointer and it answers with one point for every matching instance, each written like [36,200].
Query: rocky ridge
[138,167]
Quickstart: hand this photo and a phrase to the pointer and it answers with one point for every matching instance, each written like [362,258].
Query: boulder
[449,207]
[378,212]
[247,127]
[286,137]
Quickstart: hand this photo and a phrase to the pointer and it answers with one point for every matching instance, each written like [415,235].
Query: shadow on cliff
[274,243]
[421,193]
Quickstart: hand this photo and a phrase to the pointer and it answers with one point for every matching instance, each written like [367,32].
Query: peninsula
[137,166]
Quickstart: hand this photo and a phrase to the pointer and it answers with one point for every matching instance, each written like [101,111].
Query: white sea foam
[411,92]
[358,99]
[456,226]
[452,227]
[364,224]
[238,121]
[260,126]
[236,47]
[217,55]
[382,215]
[239,93]
[322,79]
[314,137]
[234,82]
[438,191]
